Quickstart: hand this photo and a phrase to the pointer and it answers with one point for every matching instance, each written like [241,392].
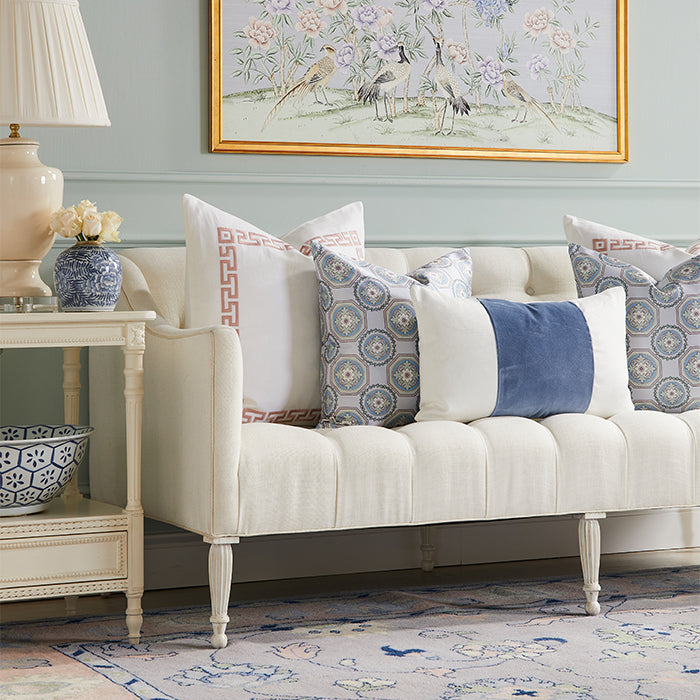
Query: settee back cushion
[154,278]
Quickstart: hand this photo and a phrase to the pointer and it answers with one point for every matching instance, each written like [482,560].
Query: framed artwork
[504,79]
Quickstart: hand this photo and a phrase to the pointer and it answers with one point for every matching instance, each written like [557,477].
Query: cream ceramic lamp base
[29,193]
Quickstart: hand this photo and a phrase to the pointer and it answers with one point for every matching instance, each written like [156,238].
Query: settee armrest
[191,427]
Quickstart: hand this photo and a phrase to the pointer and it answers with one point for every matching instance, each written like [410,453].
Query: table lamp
[47,78]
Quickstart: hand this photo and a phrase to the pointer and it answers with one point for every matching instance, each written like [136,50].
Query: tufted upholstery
[493,468]
[155,277]
[207,472]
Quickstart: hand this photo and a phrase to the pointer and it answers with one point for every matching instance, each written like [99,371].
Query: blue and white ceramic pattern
[369,342]
[36,464]
[88,277]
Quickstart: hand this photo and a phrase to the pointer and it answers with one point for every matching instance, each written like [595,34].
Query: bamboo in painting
[528,79]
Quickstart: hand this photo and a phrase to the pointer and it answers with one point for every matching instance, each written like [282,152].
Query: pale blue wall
[152,59]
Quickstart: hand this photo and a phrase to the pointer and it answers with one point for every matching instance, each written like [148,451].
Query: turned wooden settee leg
[220,578]
[427,548]
[589,547]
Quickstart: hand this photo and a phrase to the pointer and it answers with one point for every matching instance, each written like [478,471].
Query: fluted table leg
[220,577]
[71,407]
[589,547]
[133,396]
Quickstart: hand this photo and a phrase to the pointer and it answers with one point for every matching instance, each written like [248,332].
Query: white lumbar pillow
[491,357]
[265,287]
[652,256]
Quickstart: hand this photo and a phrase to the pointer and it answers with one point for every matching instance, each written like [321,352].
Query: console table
[79,546]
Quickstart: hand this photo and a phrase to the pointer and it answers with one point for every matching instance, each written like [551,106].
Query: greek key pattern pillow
[369,351]
[654,257]
[265,288]
[662,323]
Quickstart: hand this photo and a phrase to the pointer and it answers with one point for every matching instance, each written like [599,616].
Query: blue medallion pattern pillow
[662,322]
[492,357]
[369,353]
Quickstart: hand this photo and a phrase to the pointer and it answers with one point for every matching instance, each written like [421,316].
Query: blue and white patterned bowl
[36,464]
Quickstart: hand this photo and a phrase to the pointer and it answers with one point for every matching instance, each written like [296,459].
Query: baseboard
[178,559]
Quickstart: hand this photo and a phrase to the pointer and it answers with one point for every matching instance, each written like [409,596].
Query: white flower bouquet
[84,223]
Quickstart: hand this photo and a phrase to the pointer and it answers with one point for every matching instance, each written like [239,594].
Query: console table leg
[134,616]
[133,395]
[589,547]
[71,407]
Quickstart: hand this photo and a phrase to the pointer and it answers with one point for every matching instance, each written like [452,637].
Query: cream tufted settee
[206,471]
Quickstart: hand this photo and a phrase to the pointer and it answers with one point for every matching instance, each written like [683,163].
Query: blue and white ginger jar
[87,277]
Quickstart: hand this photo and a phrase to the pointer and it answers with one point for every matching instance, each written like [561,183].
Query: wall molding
[336,180]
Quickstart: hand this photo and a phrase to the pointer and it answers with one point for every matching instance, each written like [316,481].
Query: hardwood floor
[451,575]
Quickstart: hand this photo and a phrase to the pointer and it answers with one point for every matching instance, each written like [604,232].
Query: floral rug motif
[526,639]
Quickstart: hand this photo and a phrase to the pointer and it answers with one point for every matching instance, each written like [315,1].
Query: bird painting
[520,98]
[448,88]
[315,78]
[386,80]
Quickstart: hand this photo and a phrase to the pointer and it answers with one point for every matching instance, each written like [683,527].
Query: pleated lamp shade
[47,73]
[47,78]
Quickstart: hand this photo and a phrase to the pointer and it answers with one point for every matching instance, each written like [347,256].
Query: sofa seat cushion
[295,479]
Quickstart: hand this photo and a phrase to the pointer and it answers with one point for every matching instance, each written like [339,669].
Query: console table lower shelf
[79,546]
[69,549]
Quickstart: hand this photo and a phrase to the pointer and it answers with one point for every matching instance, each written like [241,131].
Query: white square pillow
[265,287]
[653,257]
[491,357]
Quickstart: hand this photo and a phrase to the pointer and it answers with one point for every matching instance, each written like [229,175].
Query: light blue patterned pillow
[663,326]
[369,352]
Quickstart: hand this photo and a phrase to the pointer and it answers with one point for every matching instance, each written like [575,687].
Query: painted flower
[330,7]
[491,71]
[385,47]
[344,56]
[259,32]
[357,685]
[538,22]
[310,22]
[366,17]
[536,64]
[562,39]
[439,672]
[386,15]
[297,650]
[491,10]
[279,7]
[437,5]
[456,51]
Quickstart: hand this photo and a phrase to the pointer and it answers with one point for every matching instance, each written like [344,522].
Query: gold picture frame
[270,62]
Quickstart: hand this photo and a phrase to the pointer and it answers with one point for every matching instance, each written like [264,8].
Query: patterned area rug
[528,639]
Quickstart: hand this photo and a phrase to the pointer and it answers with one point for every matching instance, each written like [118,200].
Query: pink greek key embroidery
[343,239]
[300,417]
